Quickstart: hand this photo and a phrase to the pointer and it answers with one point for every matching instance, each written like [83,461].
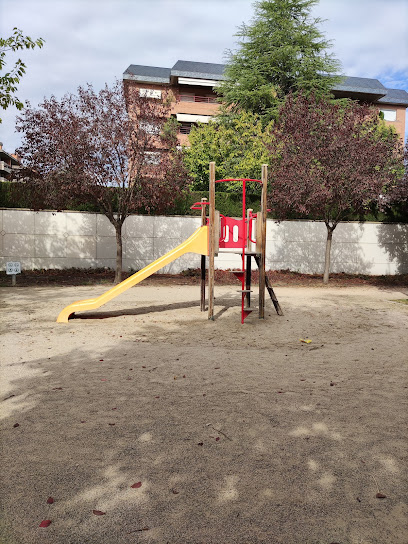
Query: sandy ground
[233,433]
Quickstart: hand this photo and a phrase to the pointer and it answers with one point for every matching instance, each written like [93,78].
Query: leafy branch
[10,80]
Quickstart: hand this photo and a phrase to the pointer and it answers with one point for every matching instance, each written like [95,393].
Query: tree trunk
[118,271]
[327,255]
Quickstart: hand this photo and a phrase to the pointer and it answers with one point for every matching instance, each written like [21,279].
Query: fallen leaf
[184,376]
[50,500]
[332,383]
[111,423]
[98,512]
[305,341]
[175,492]
[217,438]
[381,496]
[156,397]
[16,425]
[100,360]
[136,485]
[200,444]
[45,523]
[358,499]
[57,389]
[103,380]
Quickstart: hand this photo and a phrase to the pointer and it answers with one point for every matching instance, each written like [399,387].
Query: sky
[94,41]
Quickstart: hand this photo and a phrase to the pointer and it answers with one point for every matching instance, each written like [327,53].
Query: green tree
[281,51]
[237,144]
[10,80]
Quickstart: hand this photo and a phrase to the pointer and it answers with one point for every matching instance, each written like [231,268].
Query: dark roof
[395,96]
[4,156]
[360,88]
[200,70]
[147,74]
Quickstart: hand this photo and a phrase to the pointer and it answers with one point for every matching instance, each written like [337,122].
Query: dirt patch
[145,422]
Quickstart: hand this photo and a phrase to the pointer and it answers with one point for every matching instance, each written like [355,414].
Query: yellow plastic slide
[196,243]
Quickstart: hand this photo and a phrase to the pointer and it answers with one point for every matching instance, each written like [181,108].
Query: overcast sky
[94,41]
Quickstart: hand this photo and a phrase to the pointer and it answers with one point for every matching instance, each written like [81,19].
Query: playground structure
[217,233]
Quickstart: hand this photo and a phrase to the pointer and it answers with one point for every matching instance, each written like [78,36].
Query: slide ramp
[196,243]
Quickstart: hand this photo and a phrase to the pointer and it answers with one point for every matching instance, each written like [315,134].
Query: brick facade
[192,85]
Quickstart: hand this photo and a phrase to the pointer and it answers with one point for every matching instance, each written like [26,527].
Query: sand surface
[234,433]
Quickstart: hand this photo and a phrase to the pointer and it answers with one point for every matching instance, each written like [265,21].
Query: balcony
[195,98]
[4,167]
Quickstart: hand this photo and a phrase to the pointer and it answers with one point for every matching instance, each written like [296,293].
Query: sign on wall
[13,267]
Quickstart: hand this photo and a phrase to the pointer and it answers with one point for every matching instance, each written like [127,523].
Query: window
[150,93]
[150,128]
[389,115]
[152,157]
[185,128]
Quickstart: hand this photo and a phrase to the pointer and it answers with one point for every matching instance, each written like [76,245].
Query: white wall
[87,240]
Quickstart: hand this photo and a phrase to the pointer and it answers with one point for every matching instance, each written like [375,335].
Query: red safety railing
[194,98]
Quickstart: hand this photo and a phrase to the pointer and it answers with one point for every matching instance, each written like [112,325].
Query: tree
[9,81]
[281,51]
[111,149]
[332,162]
[237,144]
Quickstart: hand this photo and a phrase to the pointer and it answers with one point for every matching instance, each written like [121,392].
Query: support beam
[263,242]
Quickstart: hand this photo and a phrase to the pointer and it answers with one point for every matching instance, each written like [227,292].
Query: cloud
[370,36]
[95,40]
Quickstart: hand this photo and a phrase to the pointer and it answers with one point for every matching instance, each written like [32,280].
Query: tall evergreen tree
[281,51]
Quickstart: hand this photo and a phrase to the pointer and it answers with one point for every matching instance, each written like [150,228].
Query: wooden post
[263,242]
[203,260]
[211,243]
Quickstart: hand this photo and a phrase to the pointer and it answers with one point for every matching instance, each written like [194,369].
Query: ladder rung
[245,291]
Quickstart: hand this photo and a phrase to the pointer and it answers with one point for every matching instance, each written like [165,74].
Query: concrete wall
[75,239]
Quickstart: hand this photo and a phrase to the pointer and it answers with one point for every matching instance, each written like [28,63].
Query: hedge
[229,204]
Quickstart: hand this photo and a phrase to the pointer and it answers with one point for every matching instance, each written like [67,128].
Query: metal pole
[211,249]
[203,260]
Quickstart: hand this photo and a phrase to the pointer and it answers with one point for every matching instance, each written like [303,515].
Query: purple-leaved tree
[114,149]
[330,161]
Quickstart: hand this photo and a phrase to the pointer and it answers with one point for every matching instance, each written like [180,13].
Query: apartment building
[9,164]
[192,84]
